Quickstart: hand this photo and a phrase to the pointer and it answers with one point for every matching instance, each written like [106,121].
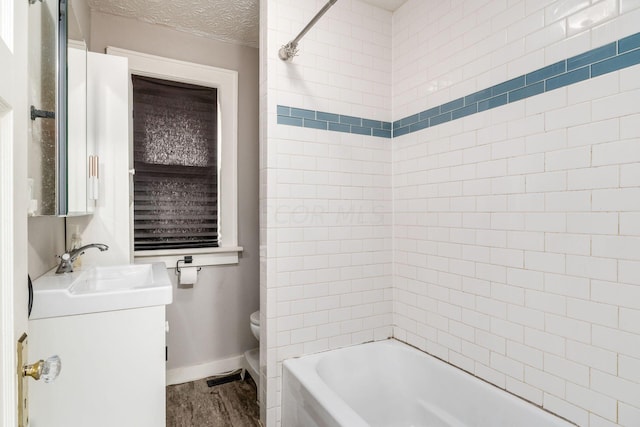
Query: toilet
[252,357]
[254,324]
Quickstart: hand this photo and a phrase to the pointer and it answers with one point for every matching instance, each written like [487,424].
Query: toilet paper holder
[186,260]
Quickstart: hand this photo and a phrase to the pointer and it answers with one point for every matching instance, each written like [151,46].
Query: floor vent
[225,378]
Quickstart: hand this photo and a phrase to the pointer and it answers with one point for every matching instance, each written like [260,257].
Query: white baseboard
[196,372]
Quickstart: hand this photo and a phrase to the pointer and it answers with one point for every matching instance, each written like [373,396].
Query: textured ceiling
[233,21]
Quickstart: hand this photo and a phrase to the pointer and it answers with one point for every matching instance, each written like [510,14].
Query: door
[13,198]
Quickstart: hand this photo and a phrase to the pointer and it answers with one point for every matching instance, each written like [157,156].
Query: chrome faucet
[67,258]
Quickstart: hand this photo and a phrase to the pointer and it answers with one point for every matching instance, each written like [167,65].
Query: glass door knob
[48,369]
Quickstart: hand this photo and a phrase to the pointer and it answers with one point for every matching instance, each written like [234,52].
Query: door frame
[13,197]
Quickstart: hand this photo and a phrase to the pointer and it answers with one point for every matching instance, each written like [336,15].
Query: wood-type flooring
[195,404]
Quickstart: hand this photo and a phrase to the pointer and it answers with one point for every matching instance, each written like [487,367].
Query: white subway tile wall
[516,248]
[505,242]
[326,196]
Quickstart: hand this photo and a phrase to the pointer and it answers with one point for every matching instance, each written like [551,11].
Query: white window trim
[226,83]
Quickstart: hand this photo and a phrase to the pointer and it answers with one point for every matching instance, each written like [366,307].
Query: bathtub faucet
[67,258]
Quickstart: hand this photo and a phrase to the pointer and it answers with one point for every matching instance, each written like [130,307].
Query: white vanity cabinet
[113,369]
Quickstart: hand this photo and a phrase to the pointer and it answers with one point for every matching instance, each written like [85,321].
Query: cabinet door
[113,369]
[108,139]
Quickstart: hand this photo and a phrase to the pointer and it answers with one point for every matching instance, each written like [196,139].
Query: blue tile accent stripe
[335,122]
[593,63]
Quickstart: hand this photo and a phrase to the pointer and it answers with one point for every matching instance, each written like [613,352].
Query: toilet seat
[255,318]
[254,324]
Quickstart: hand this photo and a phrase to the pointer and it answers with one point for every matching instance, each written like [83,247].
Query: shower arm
[289,50]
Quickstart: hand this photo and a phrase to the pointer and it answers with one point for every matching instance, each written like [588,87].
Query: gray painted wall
[46,241]
[210,321]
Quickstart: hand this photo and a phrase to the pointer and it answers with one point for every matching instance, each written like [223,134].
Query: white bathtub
[389,384]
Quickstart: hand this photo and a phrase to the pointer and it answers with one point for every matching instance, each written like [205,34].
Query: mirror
[58,157]
[77,146]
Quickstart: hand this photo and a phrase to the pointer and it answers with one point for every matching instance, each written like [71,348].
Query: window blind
[175,153]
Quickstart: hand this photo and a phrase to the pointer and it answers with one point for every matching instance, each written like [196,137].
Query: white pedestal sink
[100,288]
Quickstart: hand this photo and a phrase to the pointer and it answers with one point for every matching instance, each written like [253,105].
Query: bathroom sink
[113,279]
[101,288]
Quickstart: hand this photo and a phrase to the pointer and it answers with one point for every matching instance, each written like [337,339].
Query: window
[175,202]
[206,249]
